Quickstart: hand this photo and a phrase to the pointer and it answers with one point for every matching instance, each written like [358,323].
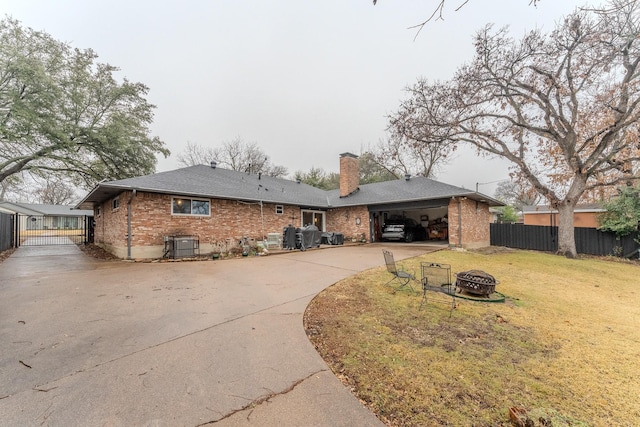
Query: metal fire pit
[476,282]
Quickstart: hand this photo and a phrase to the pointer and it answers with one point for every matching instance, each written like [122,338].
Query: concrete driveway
[93,343]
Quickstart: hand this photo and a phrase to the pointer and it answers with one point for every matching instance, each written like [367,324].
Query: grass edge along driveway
[565,346]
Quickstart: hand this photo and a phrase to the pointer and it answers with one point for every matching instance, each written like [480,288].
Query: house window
[115,203]
[316,218]
[199,207]
[98,211]
[279,209]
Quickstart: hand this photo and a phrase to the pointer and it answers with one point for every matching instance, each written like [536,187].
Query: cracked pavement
[92,343]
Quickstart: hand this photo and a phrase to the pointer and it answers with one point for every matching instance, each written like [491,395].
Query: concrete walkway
[90,343]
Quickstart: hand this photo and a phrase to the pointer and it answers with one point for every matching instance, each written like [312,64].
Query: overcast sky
[306,80]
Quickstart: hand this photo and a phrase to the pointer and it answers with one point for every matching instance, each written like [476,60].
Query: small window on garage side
[279,209]
[115,203]
[196,207]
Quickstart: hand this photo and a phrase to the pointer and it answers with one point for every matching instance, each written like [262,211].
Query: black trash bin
[338,239]
[326,238]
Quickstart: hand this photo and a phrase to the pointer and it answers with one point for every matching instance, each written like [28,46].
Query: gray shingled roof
[204,181]
[42,209]
[403,190]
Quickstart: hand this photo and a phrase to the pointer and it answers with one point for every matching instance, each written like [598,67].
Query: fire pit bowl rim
[476,282]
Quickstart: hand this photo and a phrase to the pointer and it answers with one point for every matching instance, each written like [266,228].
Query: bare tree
[611,7]
[372,169]
[195,154]
[438,12]
[562,107]
[52,189]
[235,154]
[55,191]
[406,150]
[516,194]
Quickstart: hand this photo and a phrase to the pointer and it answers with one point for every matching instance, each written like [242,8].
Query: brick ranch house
[133,217]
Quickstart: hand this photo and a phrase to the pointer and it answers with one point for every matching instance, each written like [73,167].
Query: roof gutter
[133,194]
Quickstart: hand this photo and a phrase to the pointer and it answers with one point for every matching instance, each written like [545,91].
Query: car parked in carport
[403,229]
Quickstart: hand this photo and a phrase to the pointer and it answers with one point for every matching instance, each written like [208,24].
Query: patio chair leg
[406,283]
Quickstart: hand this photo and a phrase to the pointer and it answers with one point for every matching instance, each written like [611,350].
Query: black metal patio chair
[403,277]
[436,280]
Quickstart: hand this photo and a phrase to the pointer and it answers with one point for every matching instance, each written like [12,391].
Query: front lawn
[564,346]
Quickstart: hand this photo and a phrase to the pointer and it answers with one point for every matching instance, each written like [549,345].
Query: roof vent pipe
[213,164]
[407,176]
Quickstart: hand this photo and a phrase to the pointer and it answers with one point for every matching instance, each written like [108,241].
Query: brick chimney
[349,174]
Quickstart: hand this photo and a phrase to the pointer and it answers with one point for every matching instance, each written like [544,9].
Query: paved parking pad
[171,344]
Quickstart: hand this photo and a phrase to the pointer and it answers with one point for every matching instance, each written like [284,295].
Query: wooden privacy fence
[545,238]
[7,229]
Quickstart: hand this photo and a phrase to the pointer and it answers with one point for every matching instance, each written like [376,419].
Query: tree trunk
[566,237]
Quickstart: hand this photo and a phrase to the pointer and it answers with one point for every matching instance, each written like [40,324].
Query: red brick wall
[349,174]
[474,223]
[111,224]
[231,220]
[151,220]
[344,220]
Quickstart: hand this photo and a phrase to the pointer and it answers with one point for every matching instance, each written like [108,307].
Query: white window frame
[115,203]
[314,212]
[279,209]
[192,199]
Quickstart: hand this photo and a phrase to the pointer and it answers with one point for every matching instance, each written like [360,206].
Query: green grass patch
[565,345]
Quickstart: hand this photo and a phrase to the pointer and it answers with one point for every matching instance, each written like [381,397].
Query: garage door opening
[423,224]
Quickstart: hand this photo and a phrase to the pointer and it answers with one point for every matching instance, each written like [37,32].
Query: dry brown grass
[6,254]
[565,345]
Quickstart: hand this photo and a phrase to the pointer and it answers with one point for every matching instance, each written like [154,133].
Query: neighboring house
[585,215]
[46,217]
[134,217]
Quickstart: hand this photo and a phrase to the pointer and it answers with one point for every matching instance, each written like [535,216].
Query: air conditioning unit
[181,246]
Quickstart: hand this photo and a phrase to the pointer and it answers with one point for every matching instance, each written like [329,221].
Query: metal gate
[45,230]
